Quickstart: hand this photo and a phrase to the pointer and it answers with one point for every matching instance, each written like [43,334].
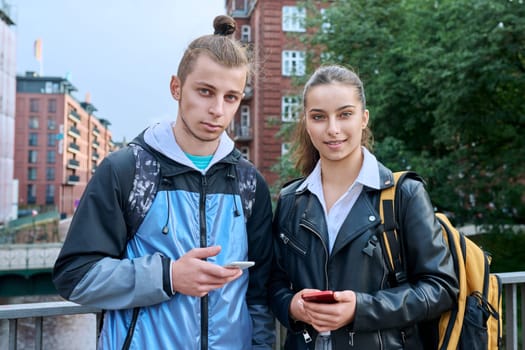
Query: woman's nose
[333,127]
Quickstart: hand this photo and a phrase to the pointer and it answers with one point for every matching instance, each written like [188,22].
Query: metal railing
[512,282]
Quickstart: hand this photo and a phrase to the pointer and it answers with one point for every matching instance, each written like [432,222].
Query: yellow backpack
[475,322]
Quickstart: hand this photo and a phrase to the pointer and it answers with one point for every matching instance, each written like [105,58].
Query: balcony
[243,133]
[73,180]
[73,164]
[73,131]
[95,156]
[73,147]
[512,281]
[96,144]
[73,115]
[96,132]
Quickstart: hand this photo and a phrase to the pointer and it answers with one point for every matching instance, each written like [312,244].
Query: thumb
[202,253]
[346,295]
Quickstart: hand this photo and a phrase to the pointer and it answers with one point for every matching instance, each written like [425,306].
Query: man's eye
[203,91]
[231,98]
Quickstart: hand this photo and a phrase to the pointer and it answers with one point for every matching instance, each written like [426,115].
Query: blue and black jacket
[102,264]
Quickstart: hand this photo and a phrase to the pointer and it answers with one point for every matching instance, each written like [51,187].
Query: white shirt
[368,176]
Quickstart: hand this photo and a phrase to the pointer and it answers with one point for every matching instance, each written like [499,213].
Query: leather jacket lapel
[362,216]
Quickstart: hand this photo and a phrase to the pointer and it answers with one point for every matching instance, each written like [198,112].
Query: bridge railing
[28,256]
[512,283]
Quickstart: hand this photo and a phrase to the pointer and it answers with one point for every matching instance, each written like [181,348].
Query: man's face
[208,101]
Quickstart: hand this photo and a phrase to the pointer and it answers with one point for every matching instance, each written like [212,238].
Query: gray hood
[161,138]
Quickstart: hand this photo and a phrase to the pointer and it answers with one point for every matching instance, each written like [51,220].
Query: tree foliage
[445,84]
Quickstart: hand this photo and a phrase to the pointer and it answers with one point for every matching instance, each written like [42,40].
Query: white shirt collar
[368,175]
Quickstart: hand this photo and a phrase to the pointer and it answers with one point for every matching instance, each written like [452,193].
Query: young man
[164,283]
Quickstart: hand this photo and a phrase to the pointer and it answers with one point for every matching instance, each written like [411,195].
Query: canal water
[69,332]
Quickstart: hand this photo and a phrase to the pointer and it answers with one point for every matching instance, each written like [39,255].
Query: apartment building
[8,186]
[268,28]
[59,143]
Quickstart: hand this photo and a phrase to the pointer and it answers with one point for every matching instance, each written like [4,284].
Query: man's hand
[191,275]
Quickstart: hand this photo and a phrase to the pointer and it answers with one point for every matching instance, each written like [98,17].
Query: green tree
[445,84]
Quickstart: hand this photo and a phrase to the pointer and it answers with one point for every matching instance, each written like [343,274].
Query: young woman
[325,234]
[166,285]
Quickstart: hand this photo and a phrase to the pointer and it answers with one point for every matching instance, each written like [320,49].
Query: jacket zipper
[287,241]
[325,250]
[203,244]
[306,335]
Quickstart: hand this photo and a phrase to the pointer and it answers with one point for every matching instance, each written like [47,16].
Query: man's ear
[175,87]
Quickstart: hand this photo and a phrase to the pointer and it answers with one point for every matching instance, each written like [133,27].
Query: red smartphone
[325,296]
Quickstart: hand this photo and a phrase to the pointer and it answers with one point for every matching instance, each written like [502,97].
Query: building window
[50,194]
[245,151]
[33,139]
[290,108]
[50,174]
[51,139]
[326,27]
[51,157]
[293,19]
[52,105]
[293,63]
[285,148]
[246,33]
[31,194]
[51,124]
[31,174]
[245,120]
[33,122]
[32,156]
[33,105]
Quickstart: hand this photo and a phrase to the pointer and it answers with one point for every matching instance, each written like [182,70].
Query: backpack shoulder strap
[390,239]
[144,187]
[247,185]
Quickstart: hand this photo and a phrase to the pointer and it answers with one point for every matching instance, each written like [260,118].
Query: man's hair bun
[224,25]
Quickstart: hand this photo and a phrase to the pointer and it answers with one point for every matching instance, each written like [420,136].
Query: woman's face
[335,120]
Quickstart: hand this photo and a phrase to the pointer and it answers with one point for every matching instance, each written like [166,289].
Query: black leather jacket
[386,317]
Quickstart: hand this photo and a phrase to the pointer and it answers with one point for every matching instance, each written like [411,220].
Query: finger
[203,253]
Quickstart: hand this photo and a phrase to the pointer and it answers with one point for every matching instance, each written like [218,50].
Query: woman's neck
[338,176]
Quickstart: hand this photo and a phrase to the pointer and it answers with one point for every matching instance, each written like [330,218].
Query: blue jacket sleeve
[90,269]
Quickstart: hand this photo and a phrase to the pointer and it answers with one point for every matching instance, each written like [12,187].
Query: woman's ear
[175,87]
[365,119]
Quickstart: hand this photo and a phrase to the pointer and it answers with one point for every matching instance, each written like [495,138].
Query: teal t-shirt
[201,162]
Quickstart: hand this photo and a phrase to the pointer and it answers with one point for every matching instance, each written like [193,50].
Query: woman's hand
[324,317]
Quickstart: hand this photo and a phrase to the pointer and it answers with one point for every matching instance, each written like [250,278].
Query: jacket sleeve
[90,269]
[431,287]
[280,290]
[260,250]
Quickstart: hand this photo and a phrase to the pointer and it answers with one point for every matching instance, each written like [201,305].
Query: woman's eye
[317,116]
[346,114]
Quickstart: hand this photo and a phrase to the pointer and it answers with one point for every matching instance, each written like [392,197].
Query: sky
[122,53]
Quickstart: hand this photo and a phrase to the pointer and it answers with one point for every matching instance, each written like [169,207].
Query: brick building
[59,143]
[270,29]
[7,114]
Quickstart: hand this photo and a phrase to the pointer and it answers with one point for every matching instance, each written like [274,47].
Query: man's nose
[217,108]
